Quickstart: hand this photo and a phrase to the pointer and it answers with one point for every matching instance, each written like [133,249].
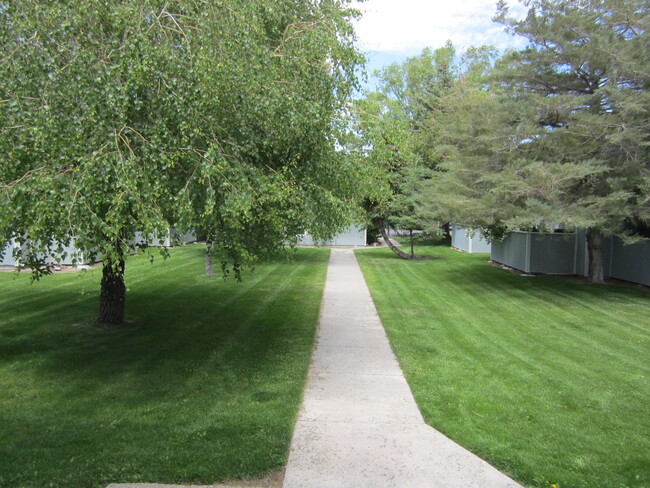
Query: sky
[392,30]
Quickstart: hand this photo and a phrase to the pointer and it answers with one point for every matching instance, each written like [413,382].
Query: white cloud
[394,26]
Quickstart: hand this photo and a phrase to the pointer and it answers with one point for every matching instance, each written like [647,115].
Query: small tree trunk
[397,251]
[411,240]
[113,293]
[595,249]
[208,259]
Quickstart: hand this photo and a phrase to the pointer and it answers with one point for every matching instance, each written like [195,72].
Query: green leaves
[399,130]
[561,135]
[125,117]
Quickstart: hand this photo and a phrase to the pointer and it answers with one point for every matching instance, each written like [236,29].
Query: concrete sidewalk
[359,425]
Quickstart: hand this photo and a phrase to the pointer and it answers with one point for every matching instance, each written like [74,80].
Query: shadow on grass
[202,383]
[175,328]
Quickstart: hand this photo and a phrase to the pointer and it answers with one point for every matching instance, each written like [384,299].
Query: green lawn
[203,384]
[547,378]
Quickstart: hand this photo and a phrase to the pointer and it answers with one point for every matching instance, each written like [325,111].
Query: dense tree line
[234,119]
[552,135]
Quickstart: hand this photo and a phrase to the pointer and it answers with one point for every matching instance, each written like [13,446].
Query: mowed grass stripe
[260,307]
[520,328]
[519,312]
[545,377]
[624,305]
[472,337]
[185,290]
[203,383]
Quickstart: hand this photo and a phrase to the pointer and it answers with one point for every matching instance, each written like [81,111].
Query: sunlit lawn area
[547,378]
[203,384]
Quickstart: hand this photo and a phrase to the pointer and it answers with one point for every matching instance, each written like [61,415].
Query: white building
[469,241]
[354,236]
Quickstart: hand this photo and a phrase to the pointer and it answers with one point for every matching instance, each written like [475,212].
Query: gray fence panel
[516,250]
[631,262]
[459,238]
[511,251]
[582,257]
[552,253]
[463,239]
[480,245]
[498,252]
[536,253]
[567,254]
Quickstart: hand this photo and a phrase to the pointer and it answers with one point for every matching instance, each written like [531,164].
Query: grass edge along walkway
[359,425]
[544,377]
[202,384]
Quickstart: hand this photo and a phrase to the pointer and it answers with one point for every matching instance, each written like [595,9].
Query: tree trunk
[446,227]
[113,293]
[411,240]
[397,251]
[208,259]
[595,249]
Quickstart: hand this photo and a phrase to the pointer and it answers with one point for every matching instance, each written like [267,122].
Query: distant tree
[391,125]
[405,210]
[400,126]
[119,117]
[561,136]
[380,138]
[418,85]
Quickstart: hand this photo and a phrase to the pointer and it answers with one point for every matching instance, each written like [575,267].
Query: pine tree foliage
[561,135]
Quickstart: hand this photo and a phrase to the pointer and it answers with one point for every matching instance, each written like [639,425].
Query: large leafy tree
[561,137]
[418,85]
[119,117]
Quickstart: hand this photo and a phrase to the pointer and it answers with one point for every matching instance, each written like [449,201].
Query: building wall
[463,239]
[179,237]
[172,238]
[353,237]
[69,255]
[7,256]
[73,256]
